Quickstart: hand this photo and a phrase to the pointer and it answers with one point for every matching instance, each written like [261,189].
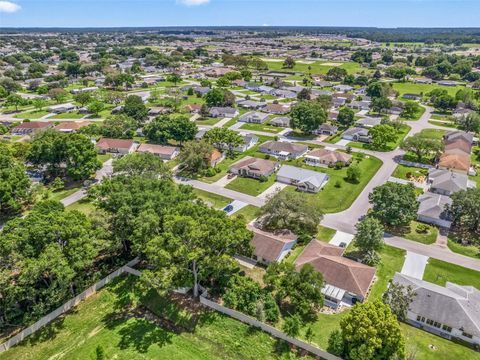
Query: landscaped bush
[422,228]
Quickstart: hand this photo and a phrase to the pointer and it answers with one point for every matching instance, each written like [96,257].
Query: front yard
[439,272]
[402,132]
[250,186]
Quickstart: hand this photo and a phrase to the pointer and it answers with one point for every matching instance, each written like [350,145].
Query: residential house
[448,83]
[32,127]
[415,97]
[432,209]
[254,117]
[270,247]
[224,112]
[216,157]
[338,102]
[250,104]
[254,167]
[452,136]
[282,121]
[61,108]
[115,146]
[71,126]
[357,134]
[305,180]
[164,152]
[286,94]
[323,157]
[277,109]
[368,122]
[193,108]
[346,281]
[455,162]
[342,88]
[445,182]
[451,311]
[326,129]
[359,105]
[158,110]
[422,80]
[283,150]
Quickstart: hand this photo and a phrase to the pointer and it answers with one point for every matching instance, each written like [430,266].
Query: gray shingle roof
[453,305]
[447,180]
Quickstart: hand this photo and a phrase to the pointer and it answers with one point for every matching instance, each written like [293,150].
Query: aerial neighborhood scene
[199,179]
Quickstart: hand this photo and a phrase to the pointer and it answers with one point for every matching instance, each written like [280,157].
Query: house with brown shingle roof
[278,109]
[283,150]
[115,146]
[269,247]
[323,157]
[31,127]
[164,152]
[455,162]
[71,126]
[254,167]
[459,146]
[346,281]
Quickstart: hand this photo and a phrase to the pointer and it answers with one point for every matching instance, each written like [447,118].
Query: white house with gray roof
[433,209]
[446,182]
[254,117]
[452,312]
[303,179]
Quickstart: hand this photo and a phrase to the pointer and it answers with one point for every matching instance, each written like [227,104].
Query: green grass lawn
[411,233]
[433,133]
[261,127]
[402,132]
[332,198]
[250,186]
[106,319]
[61,194]
[418,114]
[411,88]
[318,67]
[67,115]
[439,272]
[467,250]
[293,255]
[325,233]
[32,114]
[401,172]
[207,121]
[104,157]
[217,201]
[85,206]
[248,212]
[448,124]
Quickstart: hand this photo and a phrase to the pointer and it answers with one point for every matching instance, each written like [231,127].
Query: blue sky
[106,13]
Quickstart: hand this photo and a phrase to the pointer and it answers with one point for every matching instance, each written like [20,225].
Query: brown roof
[255,165]
[192,107]
[459,144]
[34,125]
[455,161]
[157,149]
[283,146]
[215,155]
[268,246]
[72,125]
[337,270]
[106,143]
[277,108]
[330,156]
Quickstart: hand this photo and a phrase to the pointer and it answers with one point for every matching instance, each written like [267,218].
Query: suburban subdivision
[239,193]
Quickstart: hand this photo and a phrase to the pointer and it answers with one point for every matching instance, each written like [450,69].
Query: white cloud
[9,7]
[193,2]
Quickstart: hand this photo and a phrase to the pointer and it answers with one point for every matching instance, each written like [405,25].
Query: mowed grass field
[318,67]
[103,320]
[412,88]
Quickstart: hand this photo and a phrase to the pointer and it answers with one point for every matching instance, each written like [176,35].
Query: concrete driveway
[237,205]
[342,142]
[414,265]
[272,189]
[341,237]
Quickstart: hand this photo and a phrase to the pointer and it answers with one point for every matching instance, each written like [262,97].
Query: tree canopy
[170,127]
[15,186]
[307,116]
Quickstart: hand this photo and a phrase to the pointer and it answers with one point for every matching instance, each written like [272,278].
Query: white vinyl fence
[69,305]
[267,328]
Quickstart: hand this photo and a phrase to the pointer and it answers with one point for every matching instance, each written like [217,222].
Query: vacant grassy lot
[411,88]
[248,212]
[250,186]
[106,319]
[84,206]
[217,201]
[261,127]
[401,172]
[68,115]
[318,67]
[439,272]
[32,114]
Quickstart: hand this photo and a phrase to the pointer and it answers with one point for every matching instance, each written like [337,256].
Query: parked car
[228,208]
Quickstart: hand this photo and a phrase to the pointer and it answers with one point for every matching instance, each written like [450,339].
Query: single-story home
[254,117]
[270,247]
[164,152]
[326,129]
[32,127]
[71,126]
[319,157]
[254,167]
[193,108]
[115,146]
[250,104]
[304,179]
[216,157]
[278,109]
[359,105]
[343,88]
[224,112]
[432,209]
[346,281]
[61,108]
[416,97]
[369,122]
[455,162]
[452,311]
[453,136]
[281,121]
[357,134]
[283,150]
[445,182]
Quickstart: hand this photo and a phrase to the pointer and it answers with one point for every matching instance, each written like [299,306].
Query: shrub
[263,179]
[210,172]
[338,184]
[338,165]
[422,228]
